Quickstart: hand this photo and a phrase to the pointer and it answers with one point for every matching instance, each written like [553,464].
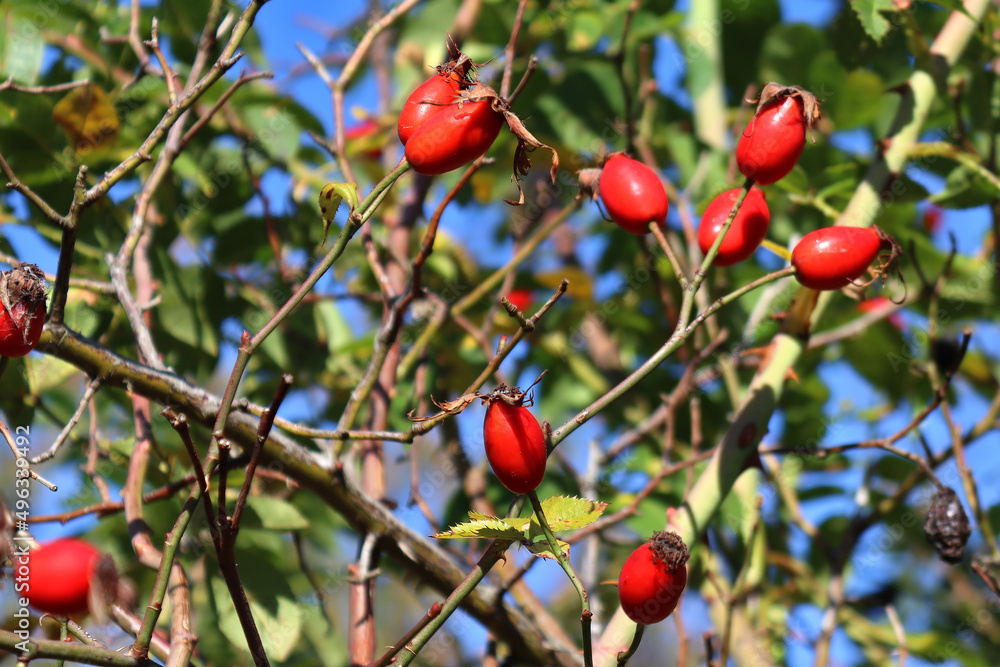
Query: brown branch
[88,394]
[421,559]
[206,117]
[508,66]
[42,90]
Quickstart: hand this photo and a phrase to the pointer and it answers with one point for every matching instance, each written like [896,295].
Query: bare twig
[88,394]
[42,90]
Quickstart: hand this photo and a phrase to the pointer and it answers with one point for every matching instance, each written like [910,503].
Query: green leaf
[22,49]
[14,389]
[330,198]
[542,549]
[583,30]
[489,528]
[275,514]
[870,14]
[47,372]
[965,189]
[279,628]
[567,513]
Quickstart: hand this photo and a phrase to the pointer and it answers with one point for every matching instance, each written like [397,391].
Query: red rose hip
[22,309]
[774,138]
[653,578]
[457,135]
[60,575]
[515,445]
[633,194]
[429,98]
[833,257]
[745,234]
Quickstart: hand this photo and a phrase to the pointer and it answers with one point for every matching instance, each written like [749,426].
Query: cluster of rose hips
[772,142]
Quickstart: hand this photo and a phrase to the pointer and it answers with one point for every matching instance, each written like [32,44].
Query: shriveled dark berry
[947,526]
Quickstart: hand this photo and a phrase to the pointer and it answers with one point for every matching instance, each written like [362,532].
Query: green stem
[585,614]
[699,275]
[173,540]
[366,207]
[476,575]
[633,647]
[702,43]
[673,343]
[60,650]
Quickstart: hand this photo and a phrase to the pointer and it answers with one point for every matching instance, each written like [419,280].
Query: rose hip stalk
[745,234]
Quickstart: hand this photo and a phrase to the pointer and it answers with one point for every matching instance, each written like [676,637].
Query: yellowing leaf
[496,529]
[565,513]
[581,285]
[330,198]
[542,549]
[88,117]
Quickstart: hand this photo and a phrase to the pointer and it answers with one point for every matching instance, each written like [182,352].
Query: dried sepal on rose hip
[653,578]
[947,525]
[774,138]
[22,309]
[513,439]
[439,91]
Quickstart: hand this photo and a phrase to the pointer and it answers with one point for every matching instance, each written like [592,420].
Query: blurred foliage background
[235,227]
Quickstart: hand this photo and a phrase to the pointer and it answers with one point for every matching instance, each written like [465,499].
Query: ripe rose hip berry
[833,257]
[458,134]
[774,138]
[60,576]
[745,234]
[429,98]
[515,445]
[633,194]
[653,578]
[22,309]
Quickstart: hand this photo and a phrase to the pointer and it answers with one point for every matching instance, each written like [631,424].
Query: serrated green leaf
[495,529]
[567,513]
[518,523]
